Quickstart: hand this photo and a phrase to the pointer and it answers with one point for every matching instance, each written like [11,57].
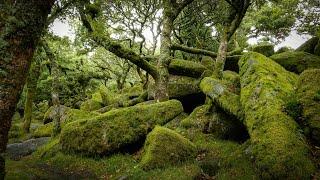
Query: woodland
[159,89]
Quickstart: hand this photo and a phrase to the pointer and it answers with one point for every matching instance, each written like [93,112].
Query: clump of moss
[186,68]
[297,61]
[90,105]
[284,49]
[308,93]
[277,145]
[165,147]
[309,46]
[117,130]
[266,49]
[208,62]
[44,130]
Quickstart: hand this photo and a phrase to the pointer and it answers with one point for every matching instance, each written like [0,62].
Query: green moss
[90,105]
[44,130]
[308,89]
[309,46]
[48,150]
[221,92]
[265,49]
[278,147]
[165,147]
[69,116]
[186,68]
[48,116]
[208,62]
[296,61]
[214,121]
[175,123]
[178,86]
[284,49]
[116,129]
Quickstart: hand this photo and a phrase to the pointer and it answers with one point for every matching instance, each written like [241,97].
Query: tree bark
[21,24]
[222,56]
[31,86]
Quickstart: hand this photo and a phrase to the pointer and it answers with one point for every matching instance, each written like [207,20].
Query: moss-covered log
[186,68]
[278,147]
[297,62]
[117,130]
[308,95]
[165,147]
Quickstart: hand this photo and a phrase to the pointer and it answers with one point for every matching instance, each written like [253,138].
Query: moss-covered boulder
[90,105]
[51,112]
[297,61]
[264,48]
[117,130]
[308,95]
[186,68]
[309,46]
[224,93]
[178,86]
[165,147]
[213,120]
[284,49]
[278,147]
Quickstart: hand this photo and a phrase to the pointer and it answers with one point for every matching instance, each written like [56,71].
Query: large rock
[117,130]
[309,46]
[308,94]
[224,92]
[165,147]
[178,86]
[297,61]
[18,150]
[186,68]
[278,147]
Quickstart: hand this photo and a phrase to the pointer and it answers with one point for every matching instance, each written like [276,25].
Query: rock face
[309,46]
[165,147]
[277,145]
[186,68]
[18,150]
[297,61]
[117,130]
[308,94]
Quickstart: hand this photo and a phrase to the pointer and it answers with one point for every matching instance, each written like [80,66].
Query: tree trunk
[55,89]
[161,91]
[31,86]
[21,24]
[222,56]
